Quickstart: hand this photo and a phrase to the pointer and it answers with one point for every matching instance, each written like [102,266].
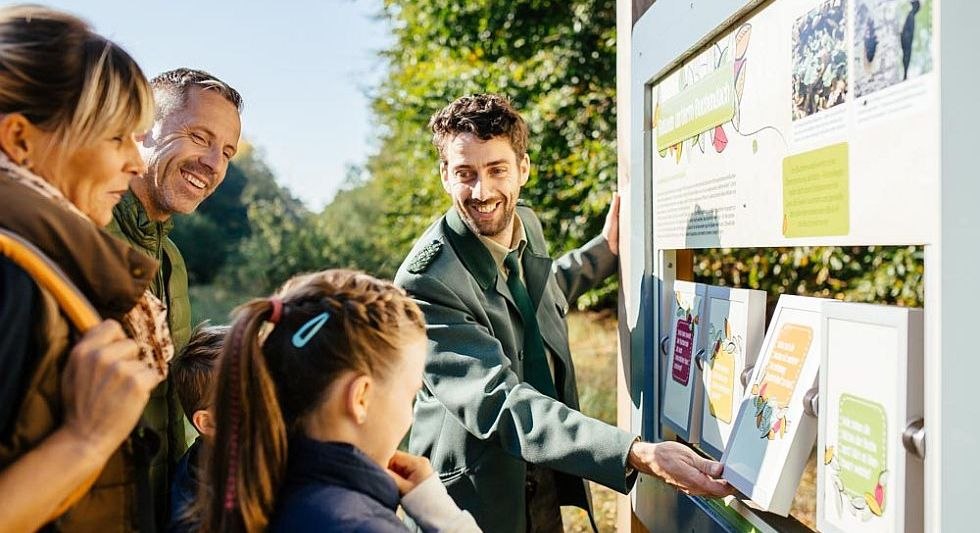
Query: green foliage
[554,59]
[211,236]
[881,274]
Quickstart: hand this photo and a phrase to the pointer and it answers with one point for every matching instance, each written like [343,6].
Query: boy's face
[203,420]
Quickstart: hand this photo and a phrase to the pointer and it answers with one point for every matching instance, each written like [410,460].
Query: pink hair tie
[276,309]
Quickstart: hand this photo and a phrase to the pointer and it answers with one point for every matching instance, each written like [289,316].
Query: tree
[554,59]
[211,236]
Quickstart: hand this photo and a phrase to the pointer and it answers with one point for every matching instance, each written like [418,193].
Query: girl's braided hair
[266,388]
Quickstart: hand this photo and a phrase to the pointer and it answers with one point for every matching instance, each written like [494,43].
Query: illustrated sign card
[871,385]
[772,436]
[736,321]
[781,132]
[682,386]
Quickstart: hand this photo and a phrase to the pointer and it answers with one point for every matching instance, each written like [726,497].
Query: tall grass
[593,340]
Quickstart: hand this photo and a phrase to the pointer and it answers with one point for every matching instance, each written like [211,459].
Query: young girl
[314,394]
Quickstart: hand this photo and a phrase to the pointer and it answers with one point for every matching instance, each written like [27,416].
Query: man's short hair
[484,115]
[170,88]
[195,370]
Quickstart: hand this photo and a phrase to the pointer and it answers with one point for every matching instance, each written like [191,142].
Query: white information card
[773,436]
[736,321]
[870,387]
[682,385]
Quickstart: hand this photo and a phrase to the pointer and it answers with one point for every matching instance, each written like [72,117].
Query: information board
[794,127]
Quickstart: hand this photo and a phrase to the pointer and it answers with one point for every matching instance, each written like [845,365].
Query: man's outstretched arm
[469,374]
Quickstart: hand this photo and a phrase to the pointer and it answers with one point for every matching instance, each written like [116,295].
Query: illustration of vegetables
[860,506]
[876,501]
[720,139]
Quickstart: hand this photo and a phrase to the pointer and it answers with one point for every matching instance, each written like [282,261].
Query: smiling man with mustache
[195,133]
[498,415]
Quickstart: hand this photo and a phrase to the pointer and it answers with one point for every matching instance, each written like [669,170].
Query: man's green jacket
[476,419]
[162,414]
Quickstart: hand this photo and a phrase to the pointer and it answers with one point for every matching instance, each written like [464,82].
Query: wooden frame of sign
[682,382]
[735,326]
[773,435]
[870,388]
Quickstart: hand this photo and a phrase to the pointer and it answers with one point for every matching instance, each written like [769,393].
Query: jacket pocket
[493,483]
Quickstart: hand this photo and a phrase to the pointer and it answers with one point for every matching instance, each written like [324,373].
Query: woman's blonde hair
[68,80]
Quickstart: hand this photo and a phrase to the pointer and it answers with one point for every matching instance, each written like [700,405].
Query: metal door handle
[811,402]
[746,376]
[914,438]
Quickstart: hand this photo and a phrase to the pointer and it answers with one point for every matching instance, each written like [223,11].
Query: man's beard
[491,228]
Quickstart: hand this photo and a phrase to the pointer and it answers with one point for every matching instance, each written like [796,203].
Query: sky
[303,67]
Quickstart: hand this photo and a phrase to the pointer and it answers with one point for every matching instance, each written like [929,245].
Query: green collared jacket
[476,419]
[163,413]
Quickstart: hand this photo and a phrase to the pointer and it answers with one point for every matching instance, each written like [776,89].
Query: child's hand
[408,471]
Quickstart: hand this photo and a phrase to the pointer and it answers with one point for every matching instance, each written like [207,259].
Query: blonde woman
[70,104]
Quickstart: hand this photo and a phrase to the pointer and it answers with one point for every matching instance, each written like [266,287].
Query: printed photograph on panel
[892,42]
[820,59]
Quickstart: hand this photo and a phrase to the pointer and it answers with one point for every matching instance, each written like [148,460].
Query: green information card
[816,193]
[863,451]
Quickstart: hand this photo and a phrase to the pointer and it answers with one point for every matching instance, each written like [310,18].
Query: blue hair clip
[308,330]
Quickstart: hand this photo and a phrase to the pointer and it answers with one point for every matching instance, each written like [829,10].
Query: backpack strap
[51,278]
[75,305]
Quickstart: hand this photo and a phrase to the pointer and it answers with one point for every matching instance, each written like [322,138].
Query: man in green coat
[195,132]
[498,414]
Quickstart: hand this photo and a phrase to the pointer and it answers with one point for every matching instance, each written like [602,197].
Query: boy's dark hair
[195,370]
[484,115]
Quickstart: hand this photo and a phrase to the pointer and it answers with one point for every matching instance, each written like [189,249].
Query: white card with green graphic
[871,359]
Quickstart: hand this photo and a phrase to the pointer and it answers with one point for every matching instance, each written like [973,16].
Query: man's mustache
[200,170]
[479,203]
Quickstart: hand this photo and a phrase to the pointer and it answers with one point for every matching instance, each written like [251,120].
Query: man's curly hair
[484,115]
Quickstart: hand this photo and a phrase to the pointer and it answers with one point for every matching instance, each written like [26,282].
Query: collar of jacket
[111,274]
[135,223]
[339,464]
[474,255]
[479,262]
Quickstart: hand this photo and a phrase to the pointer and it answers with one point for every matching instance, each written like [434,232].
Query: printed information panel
[773,436]
[813,122]
[682,386]
[871,385]
[736,321]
